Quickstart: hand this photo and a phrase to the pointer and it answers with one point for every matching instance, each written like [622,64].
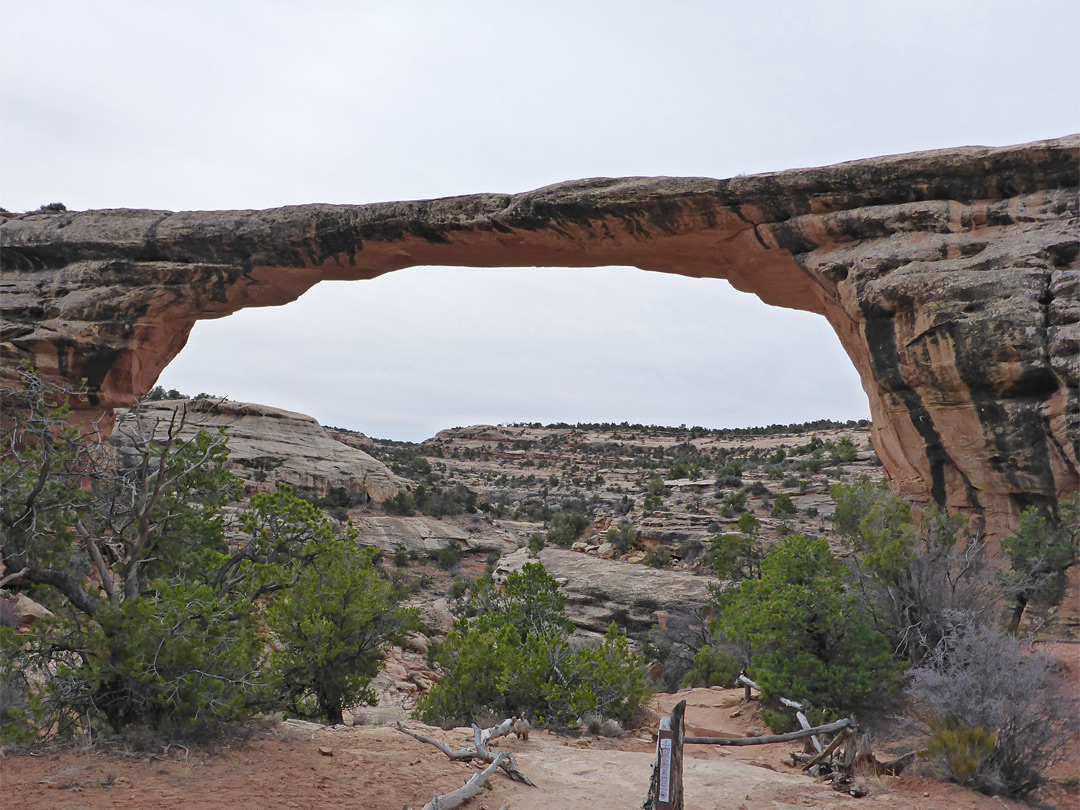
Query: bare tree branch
[458,797]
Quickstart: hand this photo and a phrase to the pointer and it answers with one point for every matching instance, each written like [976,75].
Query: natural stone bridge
[951,278]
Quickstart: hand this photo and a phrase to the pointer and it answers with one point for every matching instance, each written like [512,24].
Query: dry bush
[592,721]
[999,713]
[611,728]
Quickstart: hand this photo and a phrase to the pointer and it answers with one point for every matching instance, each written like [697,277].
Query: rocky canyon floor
[483,492]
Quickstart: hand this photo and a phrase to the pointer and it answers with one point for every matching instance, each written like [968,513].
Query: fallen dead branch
[895,767]
[461,754]
[843,735]
[773,738]
[478,750]
[839,767]
[458,797]
[511,725]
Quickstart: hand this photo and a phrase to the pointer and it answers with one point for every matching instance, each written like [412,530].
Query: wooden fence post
[666,788]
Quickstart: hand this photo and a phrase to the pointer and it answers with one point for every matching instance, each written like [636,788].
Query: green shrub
[1040,556]
[449,556]
[807,638]
[331,630]
[510,653]
[844,451]
[783,505]
[737,556]
[173,632]
[712,667]
[537,542]
[962,750]
[913,576]
[183,657]
[440,502]
[734,556]
[400,504]
[458,588]
[622,536]
[736,501]
[658,557]
[729,474]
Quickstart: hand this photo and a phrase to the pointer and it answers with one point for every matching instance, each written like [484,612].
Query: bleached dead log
[895,767]
[462,754]
[746,682]
[774,738]
[509,761]
[501,730]
[823,755]
[847,761]
[806,724]
[456,798]
[478,750]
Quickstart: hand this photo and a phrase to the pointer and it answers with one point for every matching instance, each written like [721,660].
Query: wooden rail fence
[666,783]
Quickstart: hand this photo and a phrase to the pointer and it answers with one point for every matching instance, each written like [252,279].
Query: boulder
[20,611]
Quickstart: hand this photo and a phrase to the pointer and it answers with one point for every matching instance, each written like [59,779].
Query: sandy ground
[381,768]
[287,766]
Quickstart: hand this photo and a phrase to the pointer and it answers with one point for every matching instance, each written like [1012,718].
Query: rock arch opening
[423,349]
[951,279]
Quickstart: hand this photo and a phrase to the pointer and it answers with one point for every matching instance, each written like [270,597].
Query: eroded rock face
[951,278]
[663,607]
[268,446]
[418,534]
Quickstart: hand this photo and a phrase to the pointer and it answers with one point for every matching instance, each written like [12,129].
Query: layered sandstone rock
[20,611]
[268,446]
[950,277]
[662,607]
[419,535]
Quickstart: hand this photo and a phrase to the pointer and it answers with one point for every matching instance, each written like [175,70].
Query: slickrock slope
[951,278]
[268,445]
[421,535]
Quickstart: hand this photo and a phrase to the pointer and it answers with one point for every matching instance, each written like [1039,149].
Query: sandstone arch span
[950,277]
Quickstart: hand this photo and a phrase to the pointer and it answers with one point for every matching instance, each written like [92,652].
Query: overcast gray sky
[260,103]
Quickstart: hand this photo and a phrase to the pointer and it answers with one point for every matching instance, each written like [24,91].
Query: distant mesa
[951,278]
